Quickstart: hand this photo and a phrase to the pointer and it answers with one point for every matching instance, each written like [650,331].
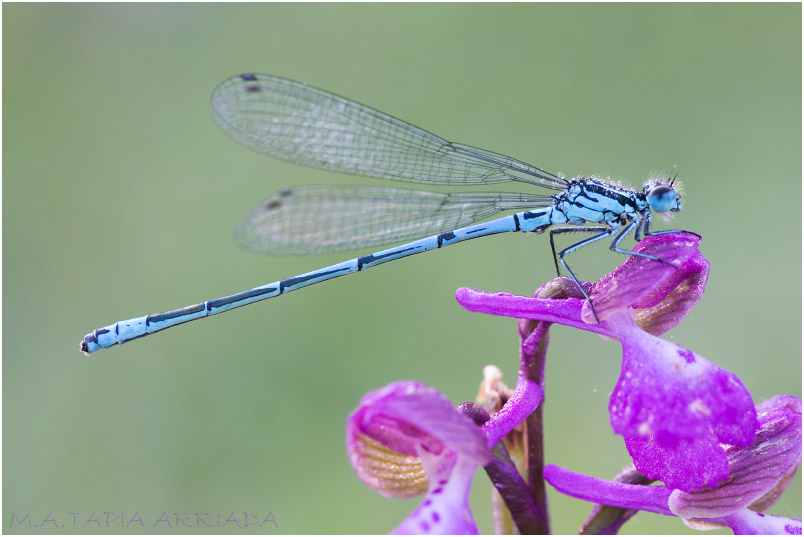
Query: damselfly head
[663,194]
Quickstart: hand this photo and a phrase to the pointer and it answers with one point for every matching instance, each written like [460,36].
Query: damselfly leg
[602,233]
[645,228]
[614,246]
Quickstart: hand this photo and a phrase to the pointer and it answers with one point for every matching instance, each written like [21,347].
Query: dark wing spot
[248,76]
[273,205]
[286,193]
[253,89]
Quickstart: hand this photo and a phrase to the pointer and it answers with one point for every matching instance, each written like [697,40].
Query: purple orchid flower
[758,475]
[673,407]
[685,421]
[407,439]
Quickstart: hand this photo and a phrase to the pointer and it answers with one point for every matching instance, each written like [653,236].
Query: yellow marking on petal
[386,471]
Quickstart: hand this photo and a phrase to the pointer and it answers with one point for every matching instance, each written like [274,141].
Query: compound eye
[662,198]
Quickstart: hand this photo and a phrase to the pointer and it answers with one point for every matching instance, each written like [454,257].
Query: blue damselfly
[304,125]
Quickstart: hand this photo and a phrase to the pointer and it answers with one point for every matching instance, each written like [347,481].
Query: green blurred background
[119,197]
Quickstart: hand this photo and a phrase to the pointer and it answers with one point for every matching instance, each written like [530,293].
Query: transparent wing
[322,219]
[305,125]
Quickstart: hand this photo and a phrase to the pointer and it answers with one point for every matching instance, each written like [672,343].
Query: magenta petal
[445,508]
[405,429]
[660,295]
[591,489]
[526,397]
[406,414]
[695,266]
[747,522]
[565,311]
[778,402]
[681,291]
[665,387]
[656,499]
[680,405]
[789,402]
[682,250]
[394,427]
[686,464]
[753,471]
[644,281]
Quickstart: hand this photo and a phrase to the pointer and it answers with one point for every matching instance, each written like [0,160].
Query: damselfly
[304,125]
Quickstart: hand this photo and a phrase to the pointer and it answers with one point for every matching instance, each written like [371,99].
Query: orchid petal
[753,471]
[392,426]
[641,282]
[747,522]
[445,508]
[526,397]
[591,489]
[674,408]
[566,311]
